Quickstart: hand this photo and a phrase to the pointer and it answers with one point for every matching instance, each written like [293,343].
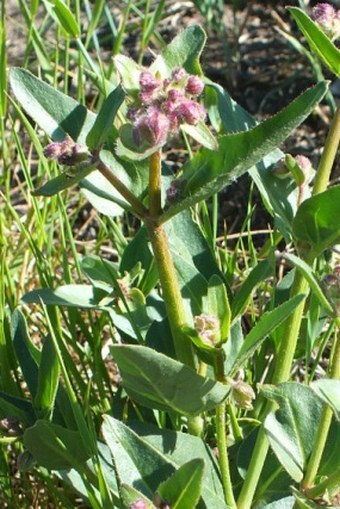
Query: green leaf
[23,349]
[192,257]
[206,352]
[55,447]
[156,381]
[183,489]
[218,304]
[202,134]
[329,392]
[307,271]
[137,463]
[129,72]
[104,121]
[18,407]
[318,40]
[208,171]
[258,274]
[62,182]
[82,296]
[48,381]
[180,448]
[55,112]
[279,196]
[291,430]
[99,270]
[316,224]
[183,51]
[265,325]
[129,495]
[282,503]
[62,13]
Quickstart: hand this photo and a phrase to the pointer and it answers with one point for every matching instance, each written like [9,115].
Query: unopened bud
[208,329]
[174,191]
[242,393]
[152,127]
[328,19]
[190,112]
[194,85]
[178,74]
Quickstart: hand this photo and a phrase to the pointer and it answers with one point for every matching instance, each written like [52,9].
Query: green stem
[328,155]
[135,203]
[171,293]
[237,431]
[287,348]
[332,481]
[155,196]
[325,423]
[222,439]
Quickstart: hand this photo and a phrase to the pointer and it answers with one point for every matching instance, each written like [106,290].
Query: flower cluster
[66,152]
[163,105]
[208,329]
[328,19]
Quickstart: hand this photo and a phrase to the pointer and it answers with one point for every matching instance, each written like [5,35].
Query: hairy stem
[155,196]
[222,439]
[325,422]
[135,203]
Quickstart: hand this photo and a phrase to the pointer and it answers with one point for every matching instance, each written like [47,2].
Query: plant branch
[135,203]
[155,196]
[328,156]
[325,422]
[222,440]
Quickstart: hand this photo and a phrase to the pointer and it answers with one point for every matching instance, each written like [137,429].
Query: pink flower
[328,19]
[178,74]
[194,85]
[190,112]
[148,82]
[152,127]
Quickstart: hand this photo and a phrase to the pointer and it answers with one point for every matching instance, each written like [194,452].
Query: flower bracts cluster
[328,19]
[163,105]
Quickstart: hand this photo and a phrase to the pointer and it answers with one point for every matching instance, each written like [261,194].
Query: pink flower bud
[148,82]
[194,85]
[152,127]
[178,74]
[174,95]
[190,112]
[328,19]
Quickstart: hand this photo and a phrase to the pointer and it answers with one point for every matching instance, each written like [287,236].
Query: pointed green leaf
[318,40]
[48,381]
[62,13]
[23,349]
[183,51]
[202,134]
[130,496]
[104,121]
[307,271]
[186,448]
[62,182]
[156,381]
[55,447]
[137,462]
[291,430]
[208,171]
[218,304]
[266,324]
[316,224]
[183,489]
[258,274]
[82,296]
